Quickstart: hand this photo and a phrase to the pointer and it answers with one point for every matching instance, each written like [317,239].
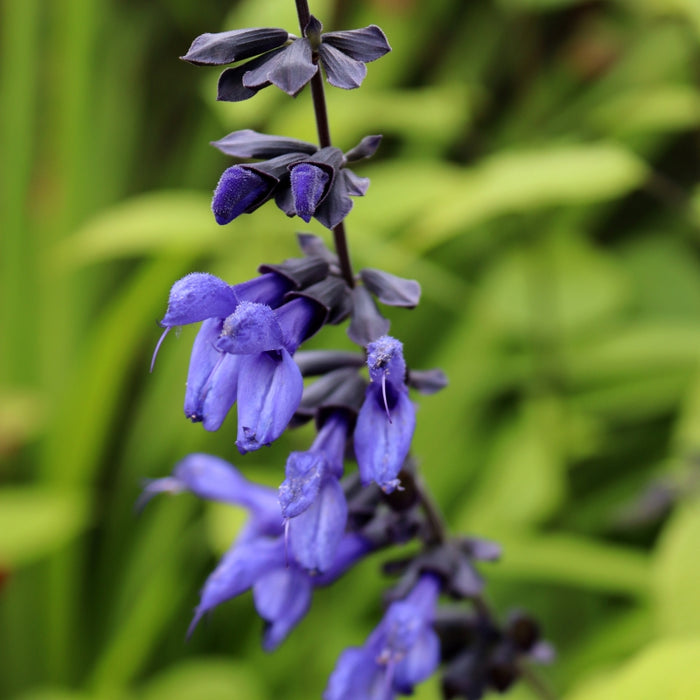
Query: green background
[538,176]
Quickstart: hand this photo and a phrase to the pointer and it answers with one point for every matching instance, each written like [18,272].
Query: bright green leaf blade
[667,669]
[179,222]
[523,482]
[210,679]
[525,181]
[572,560]
[676,581]
[35,522]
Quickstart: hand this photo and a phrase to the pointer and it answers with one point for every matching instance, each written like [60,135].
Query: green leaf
[22,416]
[174,221]
[652,108]
[561,286]
[676,569]
[523,181]
[572,560]
[204,679]
[35,522]
[667,669]
[523,482]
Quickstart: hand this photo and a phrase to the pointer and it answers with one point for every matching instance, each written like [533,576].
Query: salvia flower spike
[326,514]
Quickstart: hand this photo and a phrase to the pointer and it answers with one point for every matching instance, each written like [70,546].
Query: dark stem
[536,683]
[438,532]
[324,139]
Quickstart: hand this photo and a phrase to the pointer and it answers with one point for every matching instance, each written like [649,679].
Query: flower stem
[324,139]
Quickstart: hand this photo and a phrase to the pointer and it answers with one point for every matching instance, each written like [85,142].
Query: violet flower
[304,180]
[258,559]
[387,418]
[311,498]
[403,650]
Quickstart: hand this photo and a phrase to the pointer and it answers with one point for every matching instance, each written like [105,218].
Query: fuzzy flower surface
[303,180]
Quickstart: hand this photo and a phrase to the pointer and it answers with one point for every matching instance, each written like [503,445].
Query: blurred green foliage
[538,176]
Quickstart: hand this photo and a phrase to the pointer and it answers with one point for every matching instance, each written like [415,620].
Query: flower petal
[247,143]
[240,190]
[203,359]
[366,44]
[289,69]
[382,446]
[354,676]
[341,70]
[315,534]
[282,597]
[309,184]
[367,323]
[390,289]
[221,392]
[197,296]
[238,571]
[226,47]
[251,329]
[303,474]
[269,391]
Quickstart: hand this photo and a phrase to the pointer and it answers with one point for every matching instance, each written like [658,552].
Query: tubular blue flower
[403,650]
[214,479]
[212,380]
[287,61]
[269,382]
[387,419]
[311,498]
[281,589]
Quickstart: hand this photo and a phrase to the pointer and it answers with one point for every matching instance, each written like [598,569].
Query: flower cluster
[325,516]
[304,180]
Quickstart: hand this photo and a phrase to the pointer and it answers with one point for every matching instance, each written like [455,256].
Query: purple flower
[269,382]
[259,559]
[287,61]
[403,650]
[304,180]
[215,479]
[212,379]
[387,419]
[311,498]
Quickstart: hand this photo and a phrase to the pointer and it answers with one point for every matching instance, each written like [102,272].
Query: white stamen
[386,403]
[158,344]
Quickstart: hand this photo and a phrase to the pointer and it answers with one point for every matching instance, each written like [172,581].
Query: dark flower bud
[240,190]
[309,186]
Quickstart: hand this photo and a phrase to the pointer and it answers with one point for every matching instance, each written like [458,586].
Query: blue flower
[387,419]
[214,479]
[258,559]
[311,499]
[212,379]
[403,650]
[243,351]
[269,382]
[304,180]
